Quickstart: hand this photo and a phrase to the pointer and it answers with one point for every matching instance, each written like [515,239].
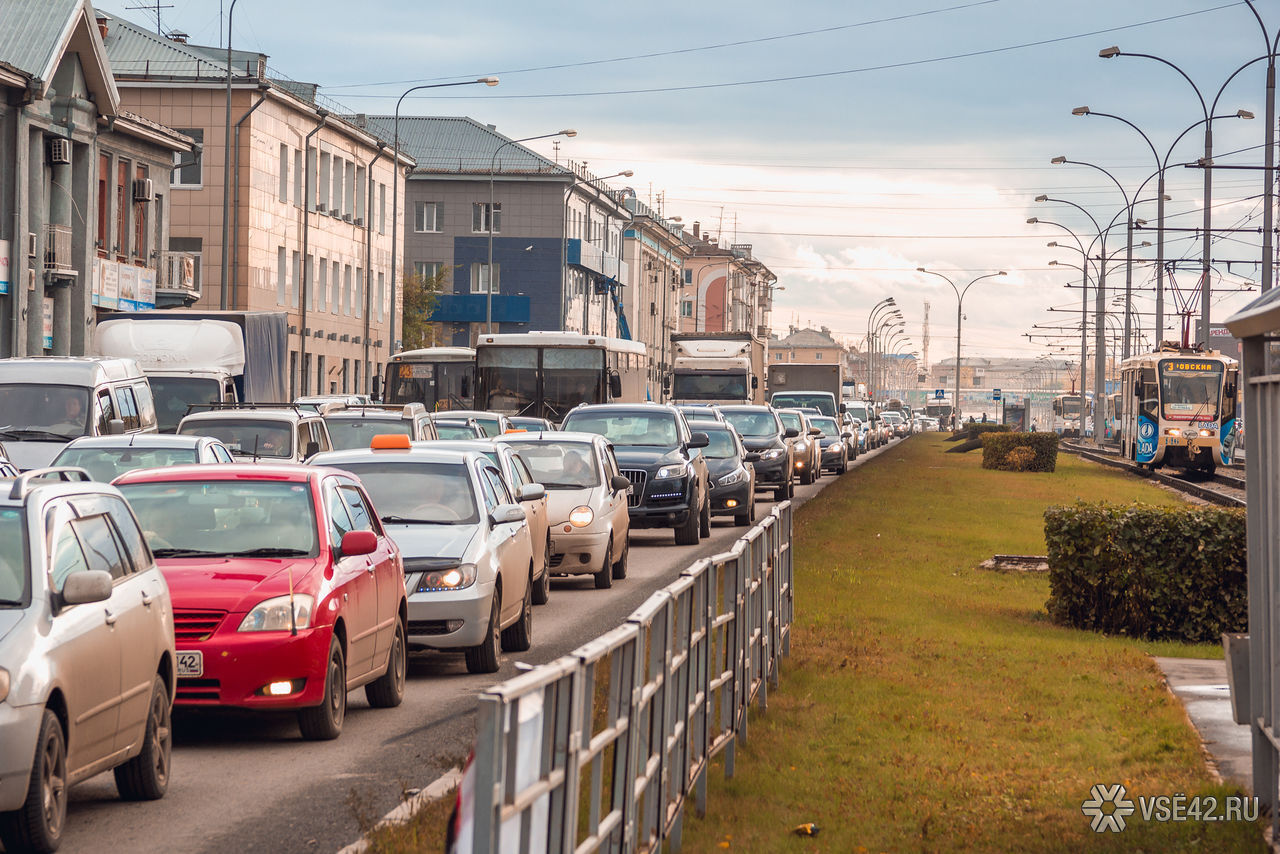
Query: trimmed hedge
[1175,573]
[1020,451]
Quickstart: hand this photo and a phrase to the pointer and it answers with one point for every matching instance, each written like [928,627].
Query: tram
[1178,408]
[1066,420]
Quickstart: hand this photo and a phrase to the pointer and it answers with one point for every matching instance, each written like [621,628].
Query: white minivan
[46,401]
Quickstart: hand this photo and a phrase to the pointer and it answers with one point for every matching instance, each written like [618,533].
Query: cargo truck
[816,385]
[716,367]
[201,356]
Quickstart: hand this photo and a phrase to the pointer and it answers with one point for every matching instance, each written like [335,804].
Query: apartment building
[654,250]
[806,346]
[724,288]
[83,183]
[309,230]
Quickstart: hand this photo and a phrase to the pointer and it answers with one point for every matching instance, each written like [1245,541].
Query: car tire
[145,777]
[604,577]
[324,722]
[542,588]
[518,636]
[687,534]
[806,476]
[37,824]
[747,516]
[704,519]
[483,657]
[387,691]
[620,567]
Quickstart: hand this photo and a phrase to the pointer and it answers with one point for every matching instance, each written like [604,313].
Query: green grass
[930,705]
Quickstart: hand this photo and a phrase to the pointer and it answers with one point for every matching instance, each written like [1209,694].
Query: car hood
[10,618]
[721,467]
[442,541]
[631,457]
[560,502]
[29,455]
[762,443]
[234,584]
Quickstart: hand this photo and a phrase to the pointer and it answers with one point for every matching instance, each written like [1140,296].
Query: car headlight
[581,516]
[4,684]
[273,614]
[802,446]
[772,453]
[452,578]
[735,476]
[676,470]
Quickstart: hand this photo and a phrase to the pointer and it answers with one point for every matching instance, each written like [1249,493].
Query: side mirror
[755,382]
[618,483]
[843,408]
[313,448]
[846,435]
[814,431]
[698,440]
[790,433]
[531,492]
[751,457]
[115,427]
[356,543]
[91,585]
[505,514]
[615,386]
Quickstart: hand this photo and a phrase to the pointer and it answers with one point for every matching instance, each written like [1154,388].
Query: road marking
[408,808]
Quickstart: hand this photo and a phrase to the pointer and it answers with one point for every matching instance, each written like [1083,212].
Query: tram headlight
[1172,431]
[1208,434]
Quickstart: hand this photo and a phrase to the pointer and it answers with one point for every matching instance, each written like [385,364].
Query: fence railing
[602,749]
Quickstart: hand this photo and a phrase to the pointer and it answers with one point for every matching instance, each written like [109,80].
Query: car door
[88,649]
[354,586]
[387,573]
[510,544]
[535,512]
[615,501]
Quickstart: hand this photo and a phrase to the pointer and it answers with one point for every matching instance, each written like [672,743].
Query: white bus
[439,378]
[545,374]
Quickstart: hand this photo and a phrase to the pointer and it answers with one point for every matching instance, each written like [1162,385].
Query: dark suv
[655,451]
[763,432]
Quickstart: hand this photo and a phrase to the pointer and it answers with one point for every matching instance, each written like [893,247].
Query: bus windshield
[510,378]
[438,386]
[1190,389]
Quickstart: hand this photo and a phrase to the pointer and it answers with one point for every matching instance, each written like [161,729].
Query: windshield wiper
[4,603]
[172,552]
[413,520]
[267,551]
[35,434]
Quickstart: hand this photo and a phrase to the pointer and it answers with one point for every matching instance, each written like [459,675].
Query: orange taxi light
[390,441]
[515,430]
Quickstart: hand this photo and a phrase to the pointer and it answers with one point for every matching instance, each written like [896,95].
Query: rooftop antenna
[153,8]
[555,145]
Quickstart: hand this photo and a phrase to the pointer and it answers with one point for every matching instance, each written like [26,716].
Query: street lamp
[395,186]
[959,317]
[488,287]
[871,318]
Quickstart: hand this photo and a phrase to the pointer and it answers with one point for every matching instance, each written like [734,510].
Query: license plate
[190,663]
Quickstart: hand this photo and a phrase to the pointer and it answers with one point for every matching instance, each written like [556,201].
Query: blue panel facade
[528,280]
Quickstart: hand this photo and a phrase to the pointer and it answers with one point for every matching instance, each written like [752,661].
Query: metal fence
[603,749]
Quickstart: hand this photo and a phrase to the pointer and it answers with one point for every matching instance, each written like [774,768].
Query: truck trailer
[716,367]
[817,385]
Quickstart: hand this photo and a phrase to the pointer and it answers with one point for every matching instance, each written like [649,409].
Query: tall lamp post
[959,317]
[493,162]
[395,187]
[1084,300]
[226,167]
[871,319]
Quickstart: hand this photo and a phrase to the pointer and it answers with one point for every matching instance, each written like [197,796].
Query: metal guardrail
[602,749]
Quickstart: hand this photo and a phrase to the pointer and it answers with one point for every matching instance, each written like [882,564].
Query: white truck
[716,367]
[201,356]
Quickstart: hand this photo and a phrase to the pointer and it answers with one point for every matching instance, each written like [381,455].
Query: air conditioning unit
[346,217]
[359,222]
[344,337]
[144,190]
[60,151]
[321,207]
[31,244]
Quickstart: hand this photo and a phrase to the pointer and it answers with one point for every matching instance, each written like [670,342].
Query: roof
[273,472]
[137,52]
[420,452]
[141,440]
[806,338]
[575,436]
[459,145]
[37,34]
[67,370]
[1259,317]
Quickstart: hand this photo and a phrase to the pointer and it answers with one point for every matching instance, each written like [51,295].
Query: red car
[286,592]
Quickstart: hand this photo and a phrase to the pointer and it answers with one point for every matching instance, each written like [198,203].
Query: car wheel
[704,519]
[542,588]
[518,637]
[687,534]
[145,777]
[483,657]
[37,824]
[604,578]
[620,568]
[387,691]
[324,722]
[747,516]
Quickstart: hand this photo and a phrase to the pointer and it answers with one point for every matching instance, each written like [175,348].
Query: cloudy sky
[849,142]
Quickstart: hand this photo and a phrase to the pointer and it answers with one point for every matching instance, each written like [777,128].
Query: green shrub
[979,427]
[1020,458]
[1153,572]
[998,447]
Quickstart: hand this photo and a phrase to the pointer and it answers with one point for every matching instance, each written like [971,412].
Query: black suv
[762,431]
[656,452]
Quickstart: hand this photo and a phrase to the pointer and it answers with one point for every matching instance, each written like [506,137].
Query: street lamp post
[959,318]
[1084,301]
[226,167]
[870,355]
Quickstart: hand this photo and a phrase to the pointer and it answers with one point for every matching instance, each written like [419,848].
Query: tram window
[1149,393]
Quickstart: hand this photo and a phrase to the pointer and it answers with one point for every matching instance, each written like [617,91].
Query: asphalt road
[250,783]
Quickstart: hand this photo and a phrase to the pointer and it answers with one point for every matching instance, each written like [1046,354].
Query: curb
[409,807]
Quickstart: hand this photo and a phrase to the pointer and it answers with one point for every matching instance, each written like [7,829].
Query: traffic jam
[273,557]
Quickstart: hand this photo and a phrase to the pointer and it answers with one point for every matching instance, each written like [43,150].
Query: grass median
[931,705]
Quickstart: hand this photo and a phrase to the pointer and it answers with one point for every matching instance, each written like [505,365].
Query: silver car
[108,457]
[86,652]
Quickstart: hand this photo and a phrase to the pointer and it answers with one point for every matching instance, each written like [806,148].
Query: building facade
[806,346]
[724,289]
[654,251]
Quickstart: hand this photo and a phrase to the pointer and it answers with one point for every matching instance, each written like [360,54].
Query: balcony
[591,257]
[57,249]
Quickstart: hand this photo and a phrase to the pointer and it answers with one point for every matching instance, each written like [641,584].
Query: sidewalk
[1201,685]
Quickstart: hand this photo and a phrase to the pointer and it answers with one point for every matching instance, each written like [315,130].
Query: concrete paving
[1201,685]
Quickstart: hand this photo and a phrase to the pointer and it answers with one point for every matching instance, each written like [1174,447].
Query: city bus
[1178,408]
[545,374]
[439,378]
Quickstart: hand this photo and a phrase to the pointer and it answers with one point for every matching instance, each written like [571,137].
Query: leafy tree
[420,296]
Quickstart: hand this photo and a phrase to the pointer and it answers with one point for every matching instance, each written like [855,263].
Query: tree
[420,296]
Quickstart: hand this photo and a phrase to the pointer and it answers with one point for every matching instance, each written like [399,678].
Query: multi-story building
[309,229]
[979,372]
[554,231]
[806,346]
[83,216]
[654,250]
[724,289]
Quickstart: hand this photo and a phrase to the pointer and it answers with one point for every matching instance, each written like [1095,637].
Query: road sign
[995,394]
[939,393]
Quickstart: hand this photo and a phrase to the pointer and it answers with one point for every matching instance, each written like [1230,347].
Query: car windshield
[13,559]
[753,423]
[407,492]
[892,416]
[560,465]
[173,395]
[791,420]
[721,445]
[826,425]
[106,464]
[455,431]
[491,426]
[43,412]
[199,518]
[646,429]
[245,438]
[348,433]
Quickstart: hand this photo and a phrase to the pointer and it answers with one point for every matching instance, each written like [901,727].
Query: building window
[338,203]
[481,219]
[122,208]
[297,177]
[335,304]
[348,189]
[282,279]
[382,295]
[322,183]
[426,269]
[480,278]
[346,289]
[297,278]
[427,216]
[382,209]
[283,192]
[817,357]
[104,199]
[186,164]
[358,301]
[140,215]
[322,285]
[361,184]
[686,308]
[346,372]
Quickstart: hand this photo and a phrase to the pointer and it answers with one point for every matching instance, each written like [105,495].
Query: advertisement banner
[146,288]
[5,266]
[47,318]
[110,296]
[128,275]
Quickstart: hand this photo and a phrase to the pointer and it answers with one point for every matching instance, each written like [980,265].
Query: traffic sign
[939,393]
[995,394]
